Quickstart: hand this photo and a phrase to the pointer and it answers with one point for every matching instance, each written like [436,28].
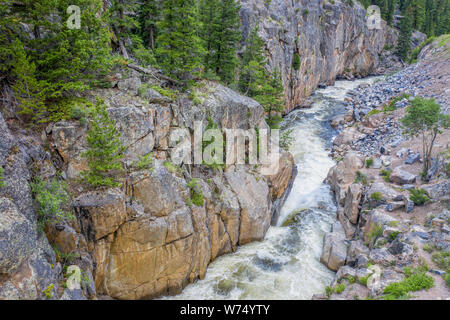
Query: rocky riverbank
[385,236]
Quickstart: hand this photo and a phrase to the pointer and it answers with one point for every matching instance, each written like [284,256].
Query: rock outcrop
[146,238]
[331,38]
[28,264]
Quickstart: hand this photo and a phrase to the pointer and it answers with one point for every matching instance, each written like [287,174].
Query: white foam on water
[286,265]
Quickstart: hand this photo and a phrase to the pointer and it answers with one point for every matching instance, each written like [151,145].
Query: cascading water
[286,264]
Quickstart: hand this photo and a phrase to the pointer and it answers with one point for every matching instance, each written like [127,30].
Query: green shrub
[442,260]
[296,61]
[105,150]
[144,162]
[416,281]
[386,174]
[286,139]
[376,196]
[393,235]
[165,92]
[428,247]
[447,279]
[48,292]
[52,199]
[372,112]
[351,279]
[172,168]
[329,291]
[375,233]
[340,288]
[361,178]
[416,51]
[369,162]
[2,179]
[363,280]
[419,196]
[196,193]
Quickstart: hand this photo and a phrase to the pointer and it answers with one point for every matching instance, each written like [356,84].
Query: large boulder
[100,213]
[352,199]
[439,190]
[254,199]
[341,176]
[401,177]
[334,252]
[17,237]
[223,106]
[135,125]
[347,136]
[159,191]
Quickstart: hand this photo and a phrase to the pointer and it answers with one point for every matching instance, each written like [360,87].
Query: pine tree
[391,11]
[220,33]
[148,16]
[29,92]
[121,17]
[404,41]
[256,82]
[271,97]
[417,11]
[57,61]
[105,150]
[179,48]
[252,64]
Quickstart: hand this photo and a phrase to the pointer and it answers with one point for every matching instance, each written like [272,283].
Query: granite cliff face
[147,238]
[331,39]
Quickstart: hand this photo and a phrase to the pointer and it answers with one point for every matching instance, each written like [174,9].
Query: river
[285,266]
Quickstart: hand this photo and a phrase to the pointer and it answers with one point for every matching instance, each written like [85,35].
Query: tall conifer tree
[220,32]
[179,51]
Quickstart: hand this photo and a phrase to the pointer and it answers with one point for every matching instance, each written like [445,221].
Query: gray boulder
[400,176]
[412,158]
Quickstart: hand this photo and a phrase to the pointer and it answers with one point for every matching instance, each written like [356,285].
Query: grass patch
[369,163]
[413,282]
[386,174]
[340,288]
[165,92]
[363,280]
[416,51]
[375,233]
[52,200]
[2,179]
[376,196]
[361,178]
[144,162]
[393,235]
[373,112]
[442,260]
[196,193]
[172,168]
[419,196]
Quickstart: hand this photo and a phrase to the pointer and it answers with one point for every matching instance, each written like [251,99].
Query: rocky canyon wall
[330,37]
[147,238]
